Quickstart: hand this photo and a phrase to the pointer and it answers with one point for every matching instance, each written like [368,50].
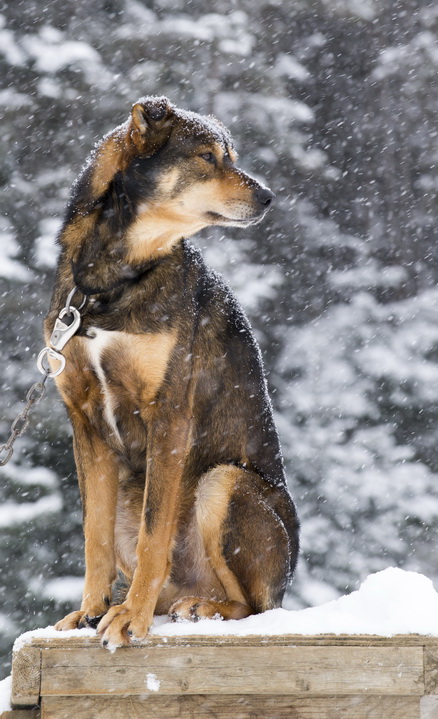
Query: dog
[178,459]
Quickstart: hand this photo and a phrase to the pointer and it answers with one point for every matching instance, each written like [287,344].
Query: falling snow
[333,105]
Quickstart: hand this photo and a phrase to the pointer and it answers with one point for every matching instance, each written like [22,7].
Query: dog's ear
[151,123]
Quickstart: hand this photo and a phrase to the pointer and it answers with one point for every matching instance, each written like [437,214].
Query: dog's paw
[78,620]
[71,621]
[121,624]
[75,620]
[195,608]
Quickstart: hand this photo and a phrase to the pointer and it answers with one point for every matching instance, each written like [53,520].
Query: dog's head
[185,165]
[164,174]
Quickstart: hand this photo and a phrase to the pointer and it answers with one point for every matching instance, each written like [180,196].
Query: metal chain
[21,421]
[60,336]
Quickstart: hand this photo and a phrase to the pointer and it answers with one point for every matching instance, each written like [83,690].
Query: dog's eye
[209,157]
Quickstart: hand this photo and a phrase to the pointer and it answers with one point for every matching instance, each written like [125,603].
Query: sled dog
[178,459]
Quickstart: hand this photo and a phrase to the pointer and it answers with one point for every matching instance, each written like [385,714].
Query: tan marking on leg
[212,501]
[98,476]
[135,615]
[154,548]
[98,479]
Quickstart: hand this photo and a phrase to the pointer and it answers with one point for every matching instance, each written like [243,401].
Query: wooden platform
[286,677]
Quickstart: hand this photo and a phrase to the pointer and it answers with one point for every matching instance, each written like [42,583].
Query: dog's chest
[130,369]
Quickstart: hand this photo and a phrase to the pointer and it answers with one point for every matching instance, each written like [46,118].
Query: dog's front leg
[98,474]
[167,448]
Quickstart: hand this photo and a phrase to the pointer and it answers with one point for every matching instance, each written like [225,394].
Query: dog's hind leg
[249,531]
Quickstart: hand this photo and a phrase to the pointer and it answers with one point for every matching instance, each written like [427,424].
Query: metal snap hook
[63,332]
[46,368]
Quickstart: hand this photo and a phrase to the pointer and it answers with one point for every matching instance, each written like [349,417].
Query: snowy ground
[389,602]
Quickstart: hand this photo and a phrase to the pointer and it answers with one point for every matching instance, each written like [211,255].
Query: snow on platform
[387,603]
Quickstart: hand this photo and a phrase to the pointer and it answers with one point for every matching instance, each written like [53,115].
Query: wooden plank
[21,714]
[221,707]
[26,677]
[234,670]
[153,640]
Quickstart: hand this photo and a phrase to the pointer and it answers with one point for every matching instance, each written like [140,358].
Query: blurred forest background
[332,102]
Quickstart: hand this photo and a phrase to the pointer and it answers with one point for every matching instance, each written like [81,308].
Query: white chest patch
[99,341]
[130,368]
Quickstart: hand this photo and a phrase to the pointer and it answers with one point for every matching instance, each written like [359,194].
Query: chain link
[58,340]
[34,395]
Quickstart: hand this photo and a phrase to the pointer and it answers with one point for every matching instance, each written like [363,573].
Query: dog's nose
[264,196]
